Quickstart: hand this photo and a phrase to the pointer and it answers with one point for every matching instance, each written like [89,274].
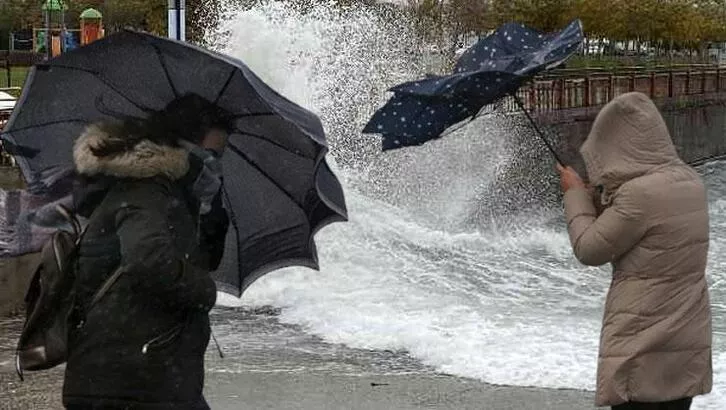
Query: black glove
[213,231]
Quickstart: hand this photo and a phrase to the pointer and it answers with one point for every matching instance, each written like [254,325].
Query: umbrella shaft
[536,128]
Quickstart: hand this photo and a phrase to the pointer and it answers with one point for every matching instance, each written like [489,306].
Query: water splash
[340,64]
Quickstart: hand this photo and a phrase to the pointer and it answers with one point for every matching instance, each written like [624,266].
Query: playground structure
[91,26]
[61,40]
[49,39]
[55,38]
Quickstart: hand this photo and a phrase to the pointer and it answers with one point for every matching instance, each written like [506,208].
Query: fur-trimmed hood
[145,160]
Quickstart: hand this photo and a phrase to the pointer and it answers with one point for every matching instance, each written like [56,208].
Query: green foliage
[680,23]
[18,14]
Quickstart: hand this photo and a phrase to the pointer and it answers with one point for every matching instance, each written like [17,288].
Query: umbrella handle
[536,128]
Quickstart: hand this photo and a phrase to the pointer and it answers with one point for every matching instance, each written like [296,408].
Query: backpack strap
[108,283]
[105,287]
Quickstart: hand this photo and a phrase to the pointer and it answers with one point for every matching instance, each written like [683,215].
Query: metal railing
[16,59]
[571,89]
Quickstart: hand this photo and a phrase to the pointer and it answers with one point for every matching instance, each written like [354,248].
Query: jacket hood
[628,139]
[145,160]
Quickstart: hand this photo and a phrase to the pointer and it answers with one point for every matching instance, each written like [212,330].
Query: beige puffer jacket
[656,334]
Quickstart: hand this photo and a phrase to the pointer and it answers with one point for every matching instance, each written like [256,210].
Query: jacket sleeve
[147,250]
[597,240]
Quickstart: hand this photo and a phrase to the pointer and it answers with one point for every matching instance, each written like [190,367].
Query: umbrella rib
[233,219]
[278,145]
[45,124]
[106,82]
[263,173]
[253,114]
[226,84]
[166,71]
[230,209]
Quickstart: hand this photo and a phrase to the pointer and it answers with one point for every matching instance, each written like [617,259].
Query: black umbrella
[495,67]
[279,190]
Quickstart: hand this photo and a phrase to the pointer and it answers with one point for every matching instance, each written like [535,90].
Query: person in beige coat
[645,212]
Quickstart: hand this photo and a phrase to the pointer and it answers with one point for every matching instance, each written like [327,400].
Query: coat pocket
[163,340]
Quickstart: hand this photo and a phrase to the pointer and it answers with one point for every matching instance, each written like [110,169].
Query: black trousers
[680,404]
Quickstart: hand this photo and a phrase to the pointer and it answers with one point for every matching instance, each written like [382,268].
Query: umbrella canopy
[493,68]
[279,190]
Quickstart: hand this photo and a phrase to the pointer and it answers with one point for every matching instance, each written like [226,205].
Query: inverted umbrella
[278,188]
[495,67]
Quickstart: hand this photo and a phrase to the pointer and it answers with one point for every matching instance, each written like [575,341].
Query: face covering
[209,180]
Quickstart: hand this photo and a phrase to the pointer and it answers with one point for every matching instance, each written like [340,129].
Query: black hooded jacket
[142,346]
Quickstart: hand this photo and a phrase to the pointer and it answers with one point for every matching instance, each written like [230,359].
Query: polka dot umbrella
[493,68]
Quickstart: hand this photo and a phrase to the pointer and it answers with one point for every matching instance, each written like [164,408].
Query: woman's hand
[569,178]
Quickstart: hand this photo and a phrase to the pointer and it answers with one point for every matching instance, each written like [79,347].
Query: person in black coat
[152,194]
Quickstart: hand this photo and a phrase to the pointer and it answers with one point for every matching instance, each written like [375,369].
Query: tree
[469,16]
[151,16]
[147,15]
[20,14]
[543,15]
